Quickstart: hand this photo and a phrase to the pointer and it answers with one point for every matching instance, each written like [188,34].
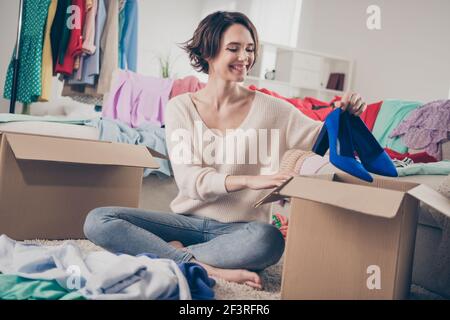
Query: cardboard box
[49,184]
[349,239]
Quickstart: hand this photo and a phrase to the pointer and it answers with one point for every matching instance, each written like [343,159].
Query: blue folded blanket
[150,135]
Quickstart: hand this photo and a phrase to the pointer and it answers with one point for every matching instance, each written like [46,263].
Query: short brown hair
[205,42]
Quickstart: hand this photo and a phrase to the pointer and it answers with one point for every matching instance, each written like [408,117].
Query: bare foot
[176,244]
[242,276]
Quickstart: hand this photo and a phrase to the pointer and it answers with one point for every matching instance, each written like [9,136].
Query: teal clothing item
[433,168]
[391,113]
[121,30]
[9,117]
[18,288]
[128,36]
[29,84]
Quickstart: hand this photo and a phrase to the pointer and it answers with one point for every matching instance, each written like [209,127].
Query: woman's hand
[266,181]
[352,102]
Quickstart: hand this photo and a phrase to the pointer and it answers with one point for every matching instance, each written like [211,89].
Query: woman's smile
[239,68]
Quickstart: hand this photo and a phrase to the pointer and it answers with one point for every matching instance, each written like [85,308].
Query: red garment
[187,84]
[370,114]
[321,108]
[75,46]
[298,103]
[421,157]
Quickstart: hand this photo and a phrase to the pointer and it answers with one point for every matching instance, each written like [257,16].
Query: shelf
[284,83]
[336,92]
[299,72]
[287,84]
[293,49]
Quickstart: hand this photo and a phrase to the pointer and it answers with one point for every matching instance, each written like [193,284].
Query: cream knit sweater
[201,158]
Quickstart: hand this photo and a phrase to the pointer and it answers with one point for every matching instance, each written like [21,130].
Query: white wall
[409,58]
[162,24]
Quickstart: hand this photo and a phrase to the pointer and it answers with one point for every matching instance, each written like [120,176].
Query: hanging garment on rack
[128,35]
[47,60]
[29,85]
[82,93]
[88,38]
[91,62]
[75,45]
[136,99]
[110,48]
[89,27]
[58,28]
[65,36]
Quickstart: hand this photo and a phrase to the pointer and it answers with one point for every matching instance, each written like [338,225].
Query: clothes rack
[16,62]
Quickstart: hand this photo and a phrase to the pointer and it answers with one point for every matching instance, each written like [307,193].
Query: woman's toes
[253,285]
[253,279]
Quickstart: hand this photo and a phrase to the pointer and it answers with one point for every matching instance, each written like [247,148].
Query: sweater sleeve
[195,181]
[301,131]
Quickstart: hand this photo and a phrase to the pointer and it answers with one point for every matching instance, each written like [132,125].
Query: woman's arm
[237,183]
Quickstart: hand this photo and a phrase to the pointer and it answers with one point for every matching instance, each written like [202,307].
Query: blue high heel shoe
[372,155]
[336,135]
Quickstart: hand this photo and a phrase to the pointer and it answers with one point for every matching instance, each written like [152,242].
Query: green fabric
[18,288]
[433,168]
[392,112]
[29,84]
[9,117]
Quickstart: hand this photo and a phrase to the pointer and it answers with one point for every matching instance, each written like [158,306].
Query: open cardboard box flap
[432,198]
[58,149]
[365,199]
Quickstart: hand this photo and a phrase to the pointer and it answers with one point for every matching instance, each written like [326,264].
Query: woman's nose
[243,56]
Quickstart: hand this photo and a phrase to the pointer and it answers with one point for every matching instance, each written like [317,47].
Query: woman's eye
[235,50]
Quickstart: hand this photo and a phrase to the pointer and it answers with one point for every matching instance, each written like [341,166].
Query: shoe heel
[342,151]
[371,154]
[322,143]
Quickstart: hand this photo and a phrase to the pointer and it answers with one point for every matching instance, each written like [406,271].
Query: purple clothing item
[426,128]
[136,99]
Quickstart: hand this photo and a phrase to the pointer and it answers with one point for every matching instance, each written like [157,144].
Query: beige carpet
[231,291]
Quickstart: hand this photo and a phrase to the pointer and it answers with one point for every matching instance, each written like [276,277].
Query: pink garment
[136,99]
[187,84]
[89,29]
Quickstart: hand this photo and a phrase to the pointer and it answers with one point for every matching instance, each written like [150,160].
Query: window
[277,22]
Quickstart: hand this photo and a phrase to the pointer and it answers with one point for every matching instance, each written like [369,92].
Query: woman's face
[235,55]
